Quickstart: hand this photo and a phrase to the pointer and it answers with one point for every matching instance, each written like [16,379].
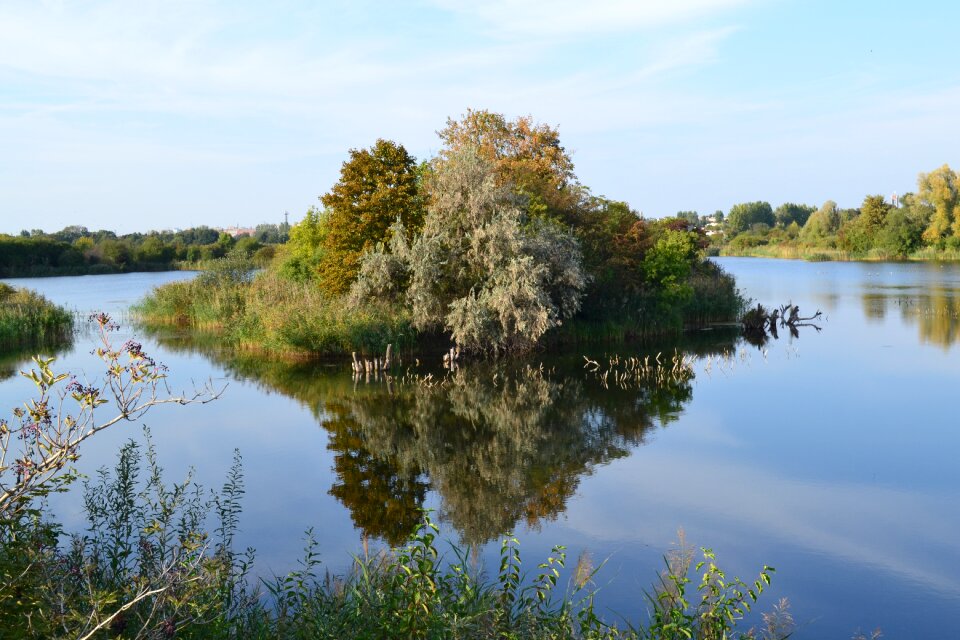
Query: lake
[831,455]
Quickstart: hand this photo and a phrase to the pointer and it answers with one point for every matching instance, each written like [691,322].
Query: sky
[166,114]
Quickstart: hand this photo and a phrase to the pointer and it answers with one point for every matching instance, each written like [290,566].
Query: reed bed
[269,313]
[631,372]
[29,319]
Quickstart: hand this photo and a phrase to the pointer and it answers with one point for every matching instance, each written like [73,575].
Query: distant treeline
[920,225]
[75,250]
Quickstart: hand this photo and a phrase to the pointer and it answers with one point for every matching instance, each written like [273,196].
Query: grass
[810,253]
[269,313]
[27,319]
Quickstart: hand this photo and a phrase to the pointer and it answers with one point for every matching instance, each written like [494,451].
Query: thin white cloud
[551,18]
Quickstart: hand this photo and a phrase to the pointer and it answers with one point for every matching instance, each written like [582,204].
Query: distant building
[711,224]
[239,231]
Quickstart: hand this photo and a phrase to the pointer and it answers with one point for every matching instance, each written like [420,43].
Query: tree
[789,212]
[901,232]
[690,216]
[860,233]
[525,155]
[940,188]
[873,212]
[744,215]
[304,249]
[377,187]
[482,269]
[824,222]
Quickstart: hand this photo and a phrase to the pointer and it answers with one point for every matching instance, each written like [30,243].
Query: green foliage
[941,189]
[271,312]
[668,264]
[821,224]
[144,567]
[304,250]
[481,269]
[27,319]
[377,187]
[790,213]
[859,235]
[714,613]
[901,233]
[75,250]
[747,214]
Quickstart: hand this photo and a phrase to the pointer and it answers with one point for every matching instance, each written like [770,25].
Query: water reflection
[934,309]
[501,445]
[15,359]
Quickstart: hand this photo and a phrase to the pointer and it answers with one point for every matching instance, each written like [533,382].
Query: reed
[269,313]
[29,319]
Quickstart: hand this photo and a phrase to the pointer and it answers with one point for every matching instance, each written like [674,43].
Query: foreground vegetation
[917,226]
[153,563]
[492,245]
[29,320]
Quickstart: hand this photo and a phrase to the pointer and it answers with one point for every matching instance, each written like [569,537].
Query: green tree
[377,187]
[690,216]
[789,212]
[668,264]
[745,215]
[303,251]
[901,232]
[824,222]
[115,251]
[860,233]
[940,189]
[482,269]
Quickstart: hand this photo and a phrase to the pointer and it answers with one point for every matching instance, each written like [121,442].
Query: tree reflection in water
[500,446]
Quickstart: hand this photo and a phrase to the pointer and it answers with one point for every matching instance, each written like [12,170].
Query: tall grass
[270,313]
[794,251]
[29,319]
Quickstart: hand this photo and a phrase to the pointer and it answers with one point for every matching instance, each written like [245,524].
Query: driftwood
[759,323]
[372,365]
[450,358]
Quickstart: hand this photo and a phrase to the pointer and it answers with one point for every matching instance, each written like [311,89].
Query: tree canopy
[940,189]
[526,156]
[746,214]
[481,269]
[377,187]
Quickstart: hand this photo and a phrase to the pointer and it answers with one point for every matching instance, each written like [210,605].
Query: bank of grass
[810,253]
[29,319]
[269,313]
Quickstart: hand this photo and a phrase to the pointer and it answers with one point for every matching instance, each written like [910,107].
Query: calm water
[831,456]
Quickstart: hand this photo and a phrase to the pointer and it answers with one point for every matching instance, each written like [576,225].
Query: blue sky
[141,115]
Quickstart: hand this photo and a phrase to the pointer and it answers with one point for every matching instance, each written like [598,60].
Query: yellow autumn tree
[940,189]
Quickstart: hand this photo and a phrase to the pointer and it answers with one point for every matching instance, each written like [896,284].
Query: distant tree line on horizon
[925,223]
[76,250]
